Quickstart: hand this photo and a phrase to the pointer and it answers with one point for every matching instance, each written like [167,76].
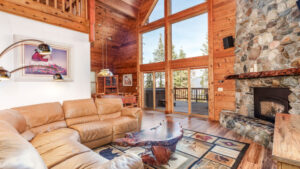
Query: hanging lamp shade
[105,73]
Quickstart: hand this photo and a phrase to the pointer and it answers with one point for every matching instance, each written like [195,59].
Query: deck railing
[197,94]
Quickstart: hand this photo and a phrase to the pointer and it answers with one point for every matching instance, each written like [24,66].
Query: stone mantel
[265,74]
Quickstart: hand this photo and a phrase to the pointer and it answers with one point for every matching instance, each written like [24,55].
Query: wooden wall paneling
[222,63]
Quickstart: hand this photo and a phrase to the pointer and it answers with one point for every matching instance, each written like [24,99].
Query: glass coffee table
[160,142]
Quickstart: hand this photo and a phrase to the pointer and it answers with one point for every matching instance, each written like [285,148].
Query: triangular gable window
[157,13]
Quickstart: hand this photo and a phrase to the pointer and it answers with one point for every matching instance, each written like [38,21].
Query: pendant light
[105,72]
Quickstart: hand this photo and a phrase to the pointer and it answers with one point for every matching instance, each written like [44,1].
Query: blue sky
[189,34]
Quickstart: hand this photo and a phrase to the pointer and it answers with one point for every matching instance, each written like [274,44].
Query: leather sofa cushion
[80,120]
[109,105]
[55,135]
[99,142]
[87,160]
[123,124]
[14,118]
[93,130]
[60,150]
[134,112]
[110,116]
[48,127]
[79,108]
[125,161]
[42,114]
[16,152]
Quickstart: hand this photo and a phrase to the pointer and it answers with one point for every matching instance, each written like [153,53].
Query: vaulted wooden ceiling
[128,8]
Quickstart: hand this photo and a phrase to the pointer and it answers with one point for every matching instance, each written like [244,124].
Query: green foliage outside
[180,78]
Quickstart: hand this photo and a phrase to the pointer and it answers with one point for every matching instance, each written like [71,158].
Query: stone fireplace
[269,101]
[267,39]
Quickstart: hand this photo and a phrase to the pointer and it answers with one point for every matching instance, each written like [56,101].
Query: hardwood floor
[256,157]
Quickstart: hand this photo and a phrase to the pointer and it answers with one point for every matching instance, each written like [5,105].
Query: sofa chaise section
[60,139]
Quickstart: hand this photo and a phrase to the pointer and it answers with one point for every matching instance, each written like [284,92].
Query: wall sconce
[43,49]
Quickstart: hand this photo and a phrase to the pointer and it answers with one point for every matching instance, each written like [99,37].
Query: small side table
[286,143]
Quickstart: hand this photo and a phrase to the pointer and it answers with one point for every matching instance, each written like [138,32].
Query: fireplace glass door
[269,101]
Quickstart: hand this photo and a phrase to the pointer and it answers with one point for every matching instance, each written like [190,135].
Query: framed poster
[59,59]
[127,80]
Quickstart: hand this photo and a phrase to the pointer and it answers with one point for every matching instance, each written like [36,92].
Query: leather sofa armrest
[135,113]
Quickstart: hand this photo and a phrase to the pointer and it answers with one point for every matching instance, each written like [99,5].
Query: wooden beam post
[168,57]
[92,17]
[211,86]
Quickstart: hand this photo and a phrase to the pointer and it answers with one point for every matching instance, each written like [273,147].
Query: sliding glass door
[190,91]
[148,90]
[154,91]
[180,91]
[160,92]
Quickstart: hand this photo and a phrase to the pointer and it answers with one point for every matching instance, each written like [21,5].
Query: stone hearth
[259,131]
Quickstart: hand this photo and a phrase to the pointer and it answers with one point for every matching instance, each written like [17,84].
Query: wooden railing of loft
[72,14]
[74,7]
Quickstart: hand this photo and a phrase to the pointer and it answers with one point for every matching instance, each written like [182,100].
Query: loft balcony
[71,14]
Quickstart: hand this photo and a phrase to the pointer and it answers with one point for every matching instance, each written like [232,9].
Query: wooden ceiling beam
[134,3]
[120,7]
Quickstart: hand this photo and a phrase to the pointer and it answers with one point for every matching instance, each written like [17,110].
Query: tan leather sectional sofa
[59,136]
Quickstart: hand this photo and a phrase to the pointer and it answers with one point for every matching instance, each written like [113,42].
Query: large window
[179,5]
[153,46]
[158,12]
[190,37]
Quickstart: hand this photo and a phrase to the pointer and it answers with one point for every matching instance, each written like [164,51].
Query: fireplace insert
[269,101]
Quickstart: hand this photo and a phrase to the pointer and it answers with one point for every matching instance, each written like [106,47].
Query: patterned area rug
[194,151]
